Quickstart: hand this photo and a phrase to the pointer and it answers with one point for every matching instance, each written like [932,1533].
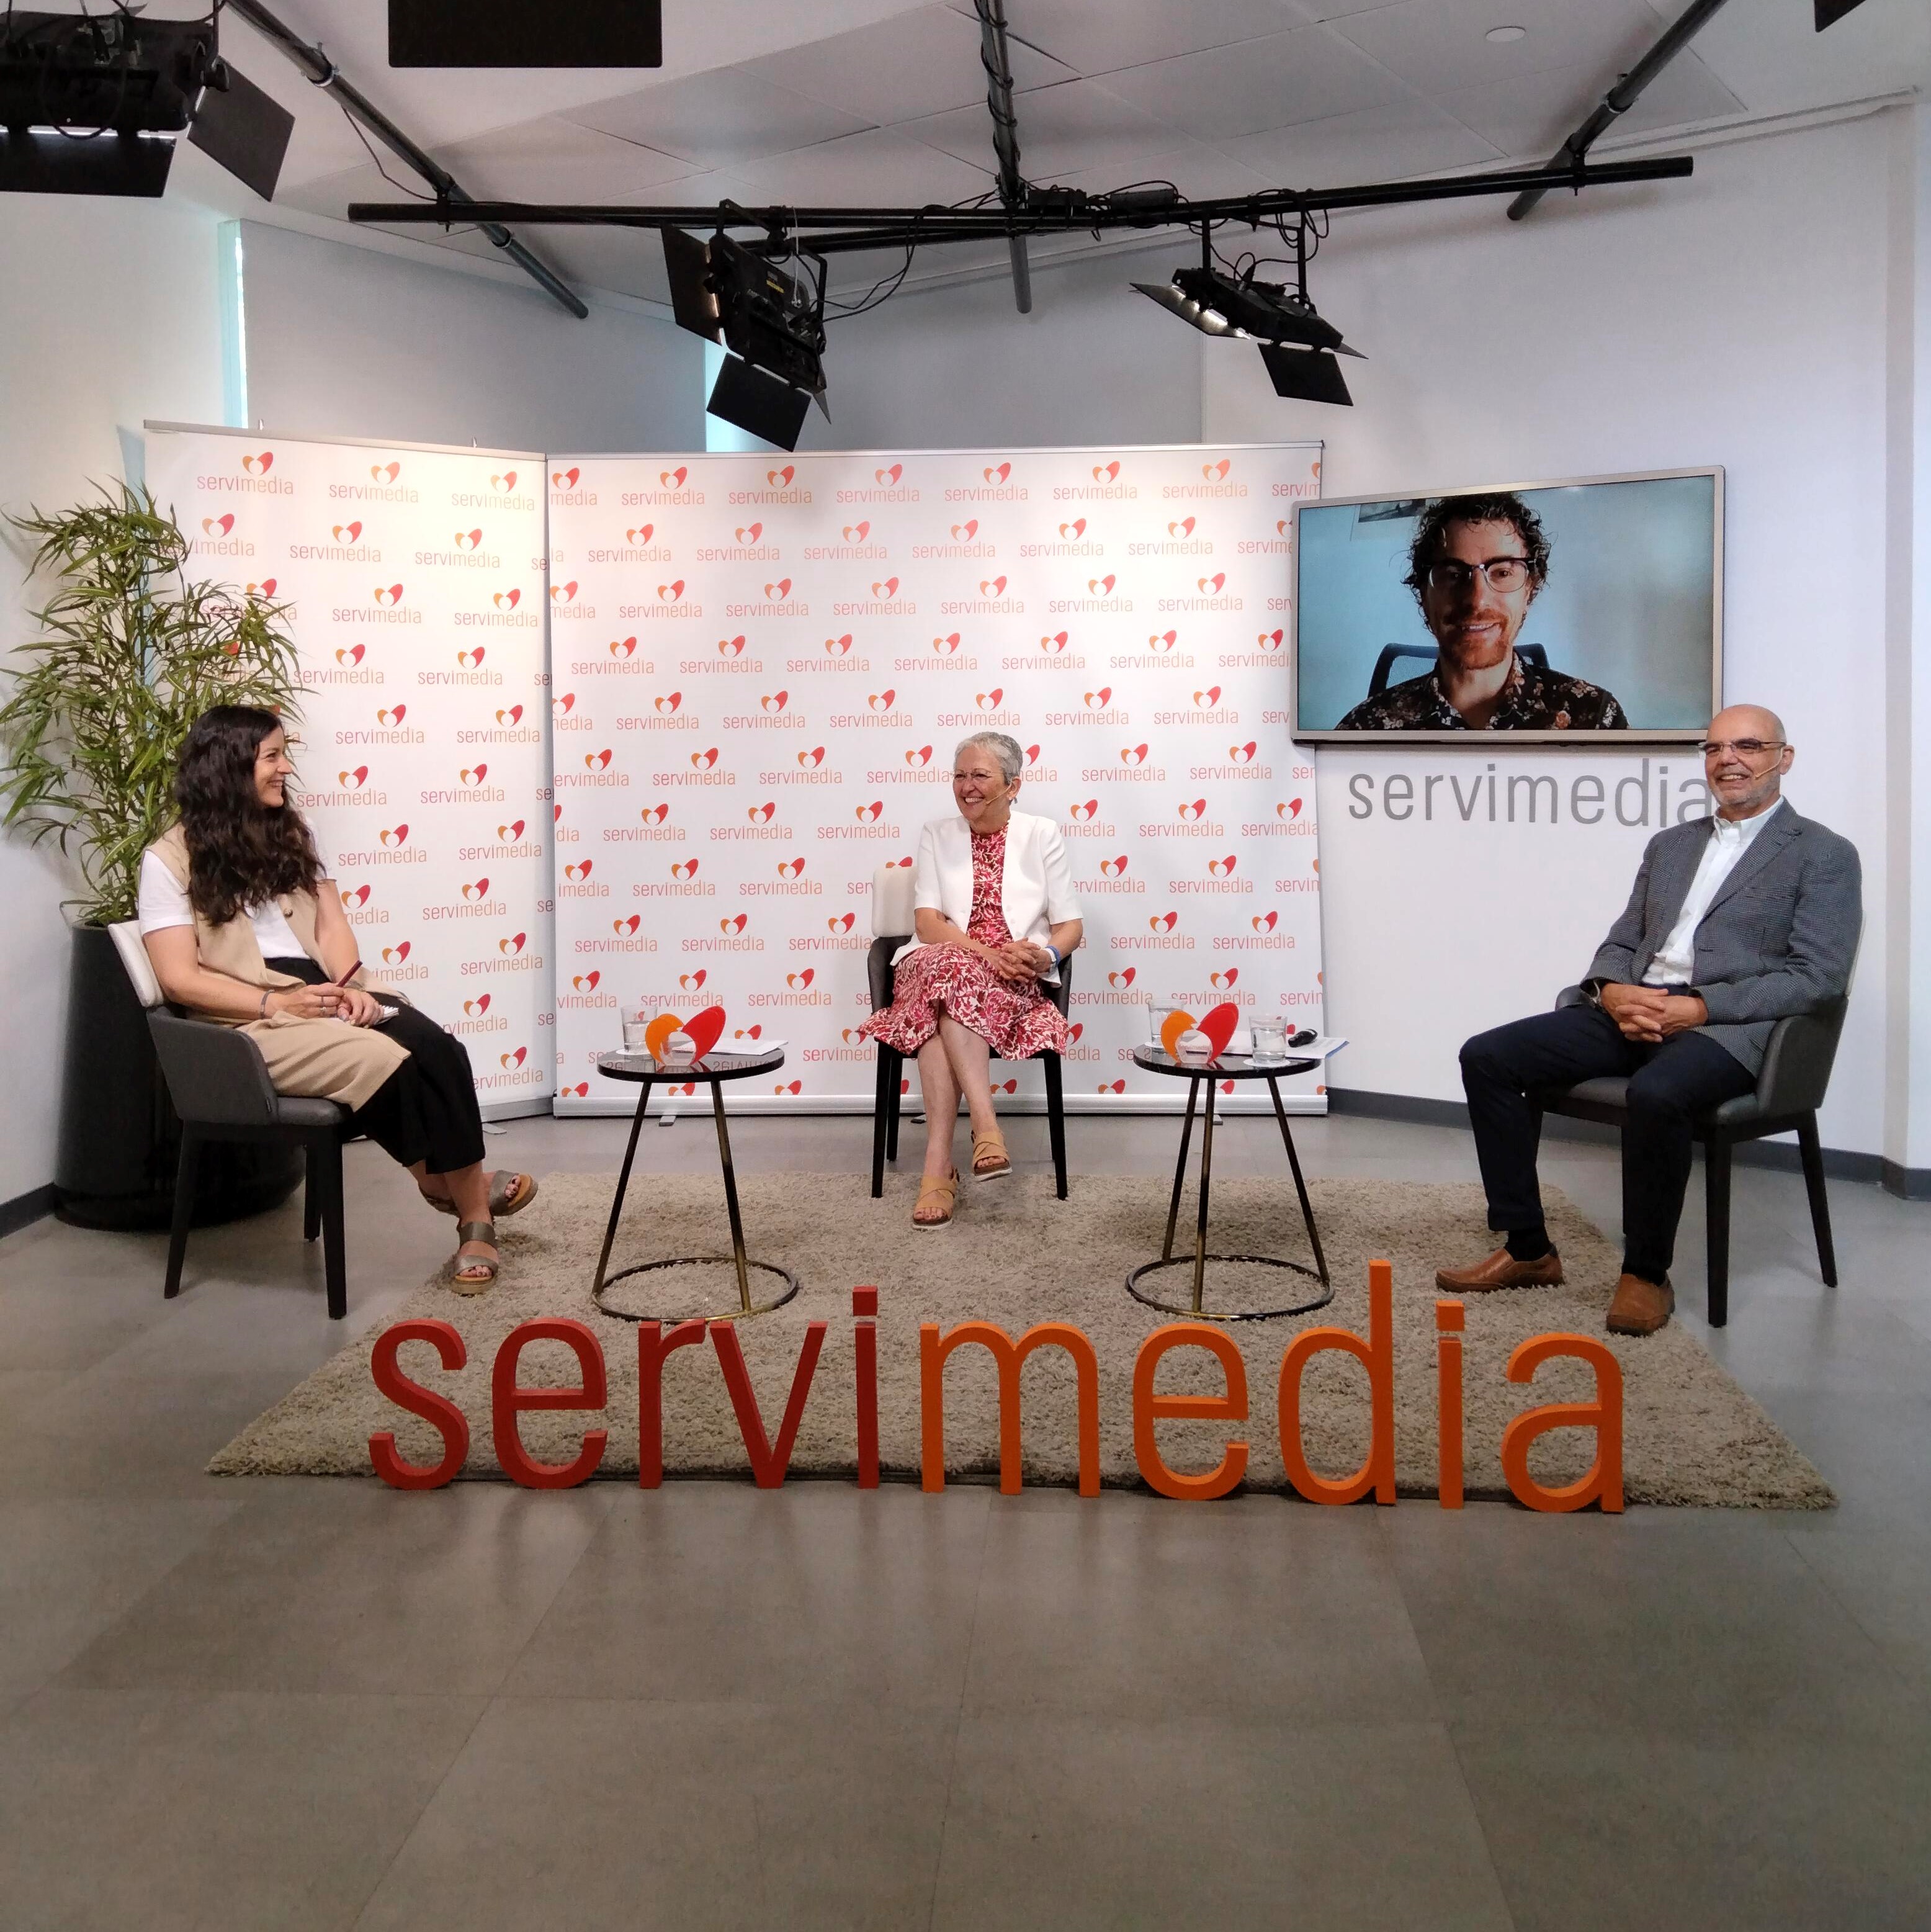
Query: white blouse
[163,902]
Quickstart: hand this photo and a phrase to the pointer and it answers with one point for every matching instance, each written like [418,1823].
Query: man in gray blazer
[1735,922]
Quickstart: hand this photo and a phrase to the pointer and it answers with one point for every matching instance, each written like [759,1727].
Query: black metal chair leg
[1717,1216]
[311,1194]
[183,1209]
[327,1156]
[1820,1202]
[1056,1121]
[894,1099]
[878,1112]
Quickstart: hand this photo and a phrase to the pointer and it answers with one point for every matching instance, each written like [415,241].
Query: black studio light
[1298,345]
[772,323]
[95,104]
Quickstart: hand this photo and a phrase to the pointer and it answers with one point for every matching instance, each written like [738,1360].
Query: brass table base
[1199,1258]
[736,1259]
[739,1314]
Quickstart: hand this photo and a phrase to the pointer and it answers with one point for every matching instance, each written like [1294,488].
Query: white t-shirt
[163,903]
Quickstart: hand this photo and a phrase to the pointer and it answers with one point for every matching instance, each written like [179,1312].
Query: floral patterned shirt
[1532,700]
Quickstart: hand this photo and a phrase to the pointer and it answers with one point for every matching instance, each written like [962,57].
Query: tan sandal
[945,1191]
[474,1273]
[990,1160]
[509,1194]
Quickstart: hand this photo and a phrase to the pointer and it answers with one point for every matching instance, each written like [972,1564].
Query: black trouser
[426,1110]
[1503,1071]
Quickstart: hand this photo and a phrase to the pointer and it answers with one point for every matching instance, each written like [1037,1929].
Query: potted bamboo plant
[130,651]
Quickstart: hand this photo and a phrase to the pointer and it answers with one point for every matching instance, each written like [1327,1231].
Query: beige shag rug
[1015,1256]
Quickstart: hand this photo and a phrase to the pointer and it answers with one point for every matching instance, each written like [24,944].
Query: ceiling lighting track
[322,72]
[996,58]
[1622,97]
[1049,211]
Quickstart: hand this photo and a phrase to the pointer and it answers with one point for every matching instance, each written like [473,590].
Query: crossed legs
[954,1061]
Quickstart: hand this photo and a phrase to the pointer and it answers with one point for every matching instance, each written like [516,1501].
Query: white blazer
[1036,891]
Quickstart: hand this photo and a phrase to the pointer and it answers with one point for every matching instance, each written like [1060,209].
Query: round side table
[1229,1066]
[714,1069]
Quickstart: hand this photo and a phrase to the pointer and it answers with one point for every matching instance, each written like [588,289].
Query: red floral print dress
[1016,1021]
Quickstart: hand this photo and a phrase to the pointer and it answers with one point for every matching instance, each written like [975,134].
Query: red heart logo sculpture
[1219,1026]
[703,1029]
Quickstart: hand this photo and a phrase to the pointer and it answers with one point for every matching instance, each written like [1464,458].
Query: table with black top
[1227,1067]
[714,1069]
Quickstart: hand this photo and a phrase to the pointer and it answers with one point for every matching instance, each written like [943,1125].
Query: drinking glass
[635,1018]
[1270,1040]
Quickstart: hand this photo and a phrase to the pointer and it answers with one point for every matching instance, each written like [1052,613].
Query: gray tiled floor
[297,1704]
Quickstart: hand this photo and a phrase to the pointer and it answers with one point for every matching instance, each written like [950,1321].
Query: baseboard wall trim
[24,1209]
[1909,1184]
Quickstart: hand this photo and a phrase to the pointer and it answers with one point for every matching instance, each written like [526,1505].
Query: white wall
[345,341]
[1737,318]
[108,315]
[960,368]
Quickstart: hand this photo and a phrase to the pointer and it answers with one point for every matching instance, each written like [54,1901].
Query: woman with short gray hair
[967,987]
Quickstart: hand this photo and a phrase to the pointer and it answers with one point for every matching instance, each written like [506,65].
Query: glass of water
[636,1019]
[1270,1040]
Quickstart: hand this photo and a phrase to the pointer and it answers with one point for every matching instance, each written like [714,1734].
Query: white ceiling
[885,101]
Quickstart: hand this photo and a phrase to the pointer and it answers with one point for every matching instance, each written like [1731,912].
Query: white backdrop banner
[415,581]
[763,664]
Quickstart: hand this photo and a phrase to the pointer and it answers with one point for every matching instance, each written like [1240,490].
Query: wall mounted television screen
[1552,612]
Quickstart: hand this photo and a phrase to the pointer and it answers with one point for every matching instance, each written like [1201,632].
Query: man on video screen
[1476,566]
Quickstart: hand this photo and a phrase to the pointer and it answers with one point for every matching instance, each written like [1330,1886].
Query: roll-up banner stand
[762,665]
[415,582]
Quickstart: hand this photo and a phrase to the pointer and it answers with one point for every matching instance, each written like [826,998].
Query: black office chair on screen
[1790,1088]
[892,1064]
[1391,654]
[220,1086]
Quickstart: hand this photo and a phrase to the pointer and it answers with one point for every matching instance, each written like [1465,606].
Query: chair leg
[1055,1122]
[333,1253]
[1820,1202]
[1716,1218]
[894,1099]
[311,1195]
[880,1105]
[183,1209]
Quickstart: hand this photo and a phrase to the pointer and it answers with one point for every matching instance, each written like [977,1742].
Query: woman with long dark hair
[244,928]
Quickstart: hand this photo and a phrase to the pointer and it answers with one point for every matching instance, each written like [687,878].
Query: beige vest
[324,1059]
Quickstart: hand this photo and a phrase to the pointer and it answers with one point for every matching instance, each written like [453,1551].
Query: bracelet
[1056,955]
[262,1011]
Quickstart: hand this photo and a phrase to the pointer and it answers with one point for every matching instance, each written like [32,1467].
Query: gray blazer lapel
[1764,847]
[1680,859]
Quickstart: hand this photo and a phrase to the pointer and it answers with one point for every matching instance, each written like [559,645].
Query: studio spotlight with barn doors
[1298,347]
[93,104]
[772,323]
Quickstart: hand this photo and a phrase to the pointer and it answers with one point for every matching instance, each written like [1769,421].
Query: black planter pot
[120,1139]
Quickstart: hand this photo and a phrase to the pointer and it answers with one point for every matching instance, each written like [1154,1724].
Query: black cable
[414,194]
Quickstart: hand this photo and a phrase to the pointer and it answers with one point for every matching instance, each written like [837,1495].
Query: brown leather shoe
[1501,1270]
[1639,1307]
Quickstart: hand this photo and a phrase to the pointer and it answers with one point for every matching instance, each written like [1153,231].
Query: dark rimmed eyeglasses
[1503,573]
[1744,748]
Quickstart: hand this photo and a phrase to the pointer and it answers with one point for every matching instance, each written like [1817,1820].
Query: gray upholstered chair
[1790,1088]
[220,1086]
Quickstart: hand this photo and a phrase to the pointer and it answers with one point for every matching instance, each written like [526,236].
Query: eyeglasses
[1503,573]
[1744,748]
